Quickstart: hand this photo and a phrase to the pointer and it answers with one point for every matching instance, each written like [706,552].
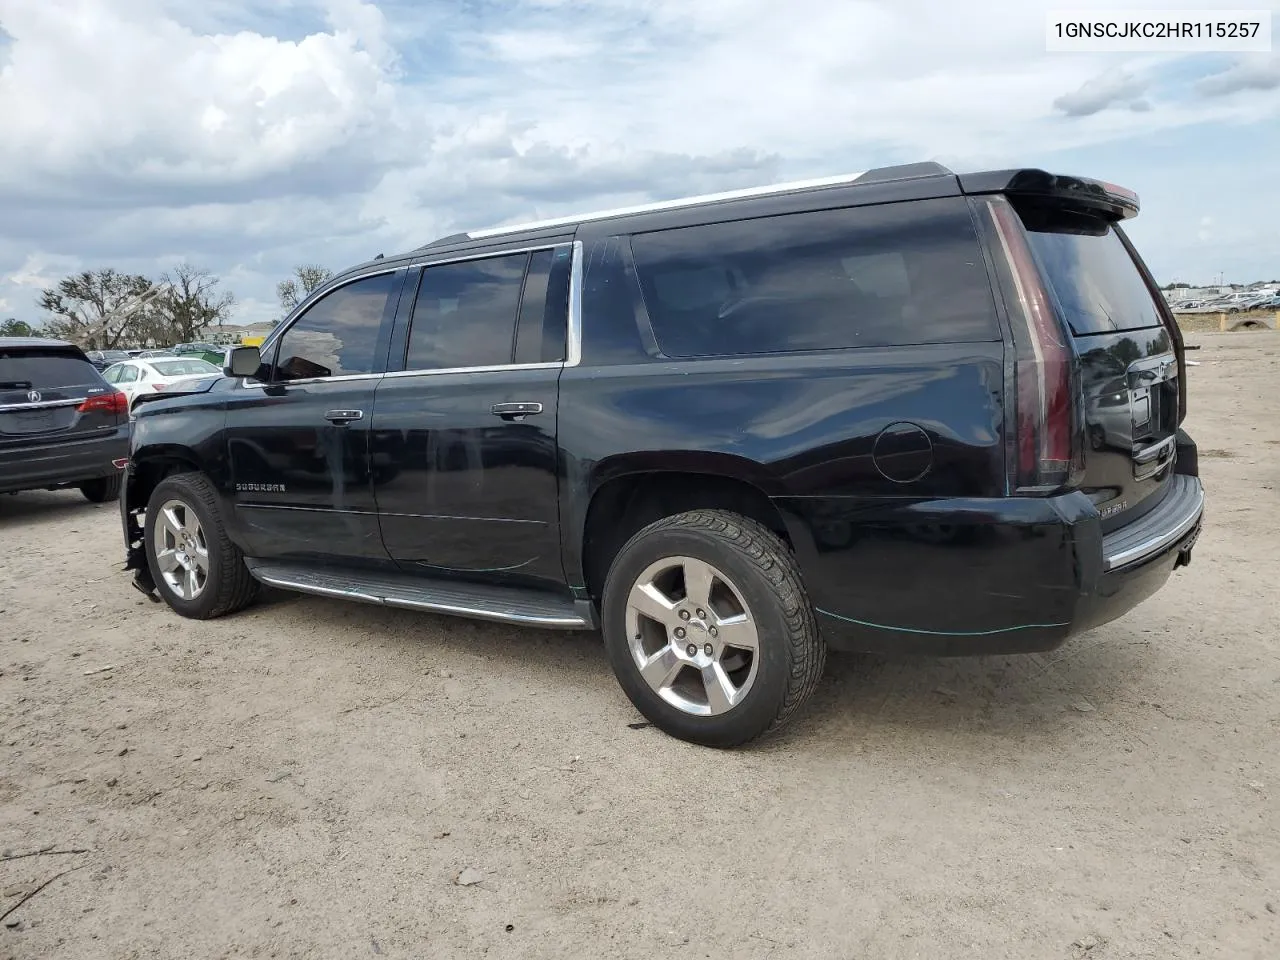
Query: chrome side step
[501,604]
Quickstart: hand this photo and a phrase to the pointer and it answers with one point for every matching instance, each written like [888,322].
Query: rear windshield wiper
[15,384]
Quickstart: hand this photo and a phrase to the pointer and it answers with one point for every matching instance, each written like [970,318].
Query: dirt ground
[312,778]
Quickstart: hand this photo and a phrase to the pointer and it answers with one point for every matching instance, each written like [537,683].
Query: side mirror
[242,362]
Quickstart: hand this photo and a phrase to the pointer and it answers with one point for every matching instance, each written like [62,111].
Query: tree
[188,305]
[305,279]
[16,328]
[94,308]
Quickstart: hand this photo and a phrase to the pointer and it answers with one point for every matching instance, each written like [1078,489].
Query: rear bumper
[65,463]
[982,576]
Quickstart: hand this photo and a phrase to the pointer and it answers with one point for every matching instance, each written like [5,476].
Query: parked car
[154,374]
[61,424]
[1201,306]
[731,432]
[205,351]
[157,352]
[105,358]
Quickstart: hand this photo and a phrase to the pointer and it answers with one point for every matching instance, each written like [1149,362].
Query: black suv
[902,411]
[61,424]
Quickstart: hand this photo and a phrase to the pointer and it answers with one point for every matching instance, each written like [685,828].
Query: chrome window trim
[573,345]
[259,385]
[429,261]
[573,334]
[759,191]
[490,368]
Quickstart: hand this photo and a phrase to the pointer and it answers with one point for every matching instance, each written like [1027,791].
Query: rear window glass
[896,274]
[43,369]
[1095,280]
[183,368]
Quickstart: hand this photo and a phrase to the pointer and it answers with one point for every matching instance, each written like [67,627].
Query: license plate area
[30,421]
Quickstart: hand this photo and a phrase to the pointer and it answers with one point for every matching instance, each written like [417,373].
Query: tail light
[113,402]
[1045,410]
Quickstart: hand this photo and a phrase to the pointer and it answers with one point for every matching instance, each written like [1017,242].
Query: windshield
[184,368]
[1096,281]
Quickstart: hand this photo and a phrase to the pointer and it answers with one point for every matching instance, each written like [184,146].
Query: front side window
[339,334]
[465,314]
[893,274]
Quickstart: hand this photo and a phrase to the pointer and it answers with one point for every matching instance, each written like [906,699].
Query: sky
[247,136]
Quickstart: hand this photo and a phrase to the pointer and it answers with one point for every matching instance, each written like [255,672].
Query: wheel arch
[624,501]
[149,466]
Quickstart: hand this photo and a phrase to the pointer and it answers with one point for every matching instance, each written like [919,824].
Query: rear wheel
[195,566]
[102,490]
[708,628]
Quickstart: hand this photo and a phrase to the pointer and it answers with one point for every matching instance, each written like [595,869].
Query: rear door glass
[1094,279]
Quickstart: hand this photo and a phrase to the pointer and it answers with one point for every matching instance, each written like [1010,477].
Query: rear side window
[887,275]
[44,369]
[544,308]
[1091,274]
[465,314]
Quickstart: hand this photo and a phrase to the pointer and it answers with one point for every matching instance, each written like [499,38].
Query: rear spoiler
[1092,196]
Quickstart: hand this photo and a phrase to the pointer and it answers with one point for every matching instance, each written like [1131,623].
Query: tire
[102,490]
[752,575]
[227,586]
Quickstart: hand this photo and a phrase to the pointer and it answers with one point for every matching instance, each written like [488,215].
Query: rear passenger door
[465,458]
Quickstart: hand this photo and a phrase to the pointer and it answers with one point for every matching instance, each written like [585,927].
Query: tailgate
[1127,362]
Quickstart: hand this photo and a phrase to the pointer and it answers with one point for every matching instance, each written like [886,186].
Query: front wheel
[708,628]
[196,568]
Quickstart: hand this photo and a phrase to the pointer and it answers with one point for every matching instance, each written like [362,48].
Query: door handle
[343,416]
[515,411]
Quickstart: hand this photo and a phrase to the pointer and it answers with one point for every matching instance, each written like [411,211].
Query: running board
[501,604]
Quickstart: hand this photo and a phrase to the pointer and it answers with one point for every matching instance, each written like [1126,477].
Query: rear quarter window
[43,369]
[888,275]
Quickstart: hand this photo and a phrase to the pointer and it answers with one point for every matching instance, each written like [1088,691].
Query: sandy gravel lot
[311,779]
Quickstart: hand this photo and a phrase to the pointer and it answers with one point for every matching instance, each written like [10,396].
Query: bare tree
[189,305]
[91,308]
[305,279]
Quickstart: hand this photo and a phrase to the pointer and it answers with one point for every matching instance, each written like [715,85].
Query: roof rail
[441,241]
[878,175]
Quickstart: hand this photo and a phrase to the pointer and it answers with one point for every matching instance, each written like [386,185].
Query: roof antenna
[378,257]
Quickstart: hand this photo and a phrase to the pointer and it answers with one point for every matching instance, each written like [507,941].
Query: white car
[154,374]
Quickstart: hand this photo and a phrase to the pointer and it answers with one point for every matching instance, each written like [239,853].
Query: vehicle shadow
[38,506]
[862,697]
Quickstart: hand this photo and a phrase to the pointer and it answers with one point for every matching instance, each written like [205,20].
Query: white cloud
[1115,87]
[247,136]
[1249,73]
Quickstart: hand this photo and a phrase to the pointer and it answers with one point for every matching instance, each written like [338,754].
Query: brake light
[1045,410]
[113,402]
